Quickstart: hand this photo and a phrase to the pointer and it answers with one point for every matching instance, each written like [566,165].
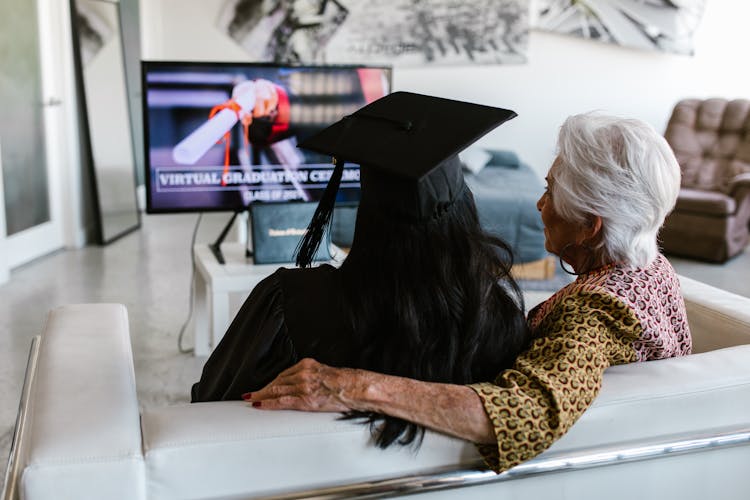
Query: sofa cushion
[705,202]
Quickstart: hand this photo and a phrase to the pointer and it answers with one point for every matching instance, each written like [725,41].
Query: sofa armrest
[717,318]
[739,187]
[83,436]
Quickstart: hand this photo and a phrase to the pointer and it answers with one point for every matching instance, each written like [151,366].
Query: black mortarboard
[406,145]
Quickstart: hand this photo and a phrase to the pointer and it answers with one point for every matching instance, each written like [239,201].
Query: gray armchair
[711,140]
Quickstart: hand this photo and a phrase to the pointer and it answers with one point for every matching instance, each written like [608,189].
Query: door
[32,148]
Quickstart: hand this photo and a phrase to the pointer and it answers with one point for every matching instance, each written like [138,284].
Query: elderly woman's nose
[540,202]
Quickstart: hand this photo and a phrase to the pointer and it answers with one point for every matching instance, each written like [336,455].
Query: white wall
[563,76]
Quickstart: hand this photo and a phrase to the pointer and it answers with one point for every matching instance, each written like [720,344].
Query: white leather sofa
[677,428]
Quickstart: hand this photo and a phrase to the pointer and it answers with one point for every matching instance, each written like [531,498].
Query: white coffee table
[213,284]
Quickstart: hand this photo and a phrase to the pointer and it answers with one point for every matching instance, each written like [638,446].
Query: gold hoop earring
[589,258]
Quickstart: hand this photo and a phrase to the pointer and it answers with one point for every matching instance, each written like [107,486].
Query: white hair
[621,170]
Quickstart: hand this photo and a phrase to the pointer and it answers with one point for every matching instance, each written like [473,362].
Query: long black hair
[432,300]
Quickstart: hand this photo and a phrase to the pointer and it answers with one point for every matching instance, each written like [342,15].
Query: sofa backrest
[226,449]
[711,140]
[244,450]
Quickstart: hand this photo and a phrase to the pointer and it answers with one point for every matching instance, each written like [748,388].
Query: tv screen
[222,136]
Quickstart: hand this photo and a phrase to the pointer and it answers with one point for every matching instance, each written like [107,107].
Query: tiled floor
[149,272]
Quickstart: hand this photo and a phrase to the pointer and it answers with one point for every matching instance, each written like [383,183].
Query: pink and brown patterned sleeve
[554,382]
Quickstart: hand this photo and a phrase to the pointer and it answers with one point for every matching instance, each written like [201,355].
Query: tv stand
[216,245]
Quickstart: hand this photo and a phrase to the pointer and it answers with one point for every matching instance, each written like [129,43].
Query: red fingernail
[256,404]
[247,395]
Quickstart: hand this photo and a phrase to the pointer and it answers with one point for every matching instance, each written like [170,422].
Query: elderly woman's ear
[591,230]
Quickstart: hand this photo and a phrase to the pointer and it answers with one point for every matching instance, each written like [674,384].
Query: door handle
[52,101]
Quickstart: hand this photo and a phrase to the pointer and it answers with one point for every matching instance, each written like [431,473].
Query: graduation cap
[406,145]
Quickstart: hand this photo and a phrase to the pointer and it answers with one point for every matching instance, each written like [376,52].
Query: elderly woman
[608,192]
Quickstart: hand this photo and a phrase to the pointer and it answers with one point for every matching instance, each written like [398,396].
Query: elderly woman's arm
[312,386]
[522,413]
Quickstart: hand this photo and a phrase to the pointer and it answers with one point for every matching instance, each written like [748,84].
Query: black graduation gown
[290,315]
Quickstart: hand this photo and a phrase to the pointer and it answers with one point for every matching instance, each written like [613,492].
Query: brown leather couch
[711,140]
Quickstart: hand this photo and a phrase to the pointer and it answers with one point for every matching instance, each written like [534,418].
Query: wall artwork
[664,25]
[394,32]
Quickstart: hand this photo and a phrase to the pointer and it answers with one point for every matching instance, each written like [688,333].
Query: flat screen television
[222,136]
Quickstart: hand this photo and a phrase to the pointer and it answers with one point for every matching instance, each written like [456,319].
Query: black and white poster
[663,25]
[394,32]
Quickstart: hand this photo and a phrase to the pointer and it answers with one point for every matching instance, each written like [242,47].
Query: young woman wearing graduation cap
[609,190]
[424,292]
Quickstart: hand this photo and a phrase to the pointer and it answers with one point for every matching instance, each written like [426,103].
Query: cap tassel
[310,242]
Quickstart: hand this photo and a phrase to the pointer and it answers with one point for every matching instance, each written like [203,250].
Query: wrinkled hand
[309,386]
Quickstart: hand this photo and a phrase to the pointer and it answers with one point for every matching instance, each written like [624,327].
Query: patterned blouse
[611,316]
